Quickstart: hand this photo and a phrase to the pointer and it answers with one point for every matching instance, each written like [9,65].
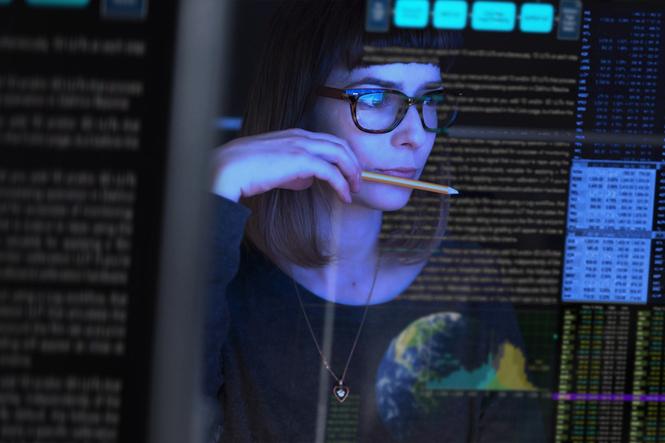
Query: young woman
[312,335]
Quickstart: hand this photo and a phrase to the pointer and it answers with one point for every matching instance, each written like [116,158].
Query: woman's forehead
[399,75]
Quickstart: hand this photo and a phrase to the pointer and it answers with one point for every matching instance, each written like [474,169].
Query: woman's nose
[410,132]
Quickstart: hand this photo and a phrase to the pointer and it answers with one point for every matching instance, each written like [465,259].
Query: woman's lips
[398,172]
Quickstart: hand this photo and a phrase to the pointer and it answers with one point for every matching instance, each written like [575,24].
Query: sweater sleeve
[228,225]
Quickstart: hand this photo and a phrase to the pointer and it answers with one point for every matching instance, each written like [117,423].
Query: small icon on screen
[493,16]
[378,16]
[570,20]
[537,18]
[450,14]
[124,9]
[411,13]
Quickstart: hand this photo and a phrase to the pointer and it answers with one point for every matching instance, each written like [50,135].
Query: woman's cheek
[370,149]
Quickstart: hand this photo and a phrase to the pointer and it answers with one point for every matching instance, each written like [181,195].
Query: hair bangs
[428,38]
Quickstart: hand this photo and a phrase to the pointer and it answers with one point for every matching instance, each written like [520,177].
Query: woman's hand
[289,159]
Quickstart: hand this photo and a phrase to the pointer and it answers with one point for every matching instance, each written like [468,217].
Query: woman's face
[403,151]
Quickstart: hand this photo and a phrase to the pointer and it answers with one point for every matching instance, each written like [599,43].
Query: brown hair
[306,40]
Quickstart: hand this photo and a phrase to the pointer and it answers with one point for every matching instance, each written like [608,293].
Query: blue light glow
[537,17]
[493,16]
[450,14]
[411,13]
[229,123]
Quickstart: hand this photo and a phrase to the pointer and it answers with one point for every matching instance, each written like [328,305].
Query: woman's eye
[433,99]
[373,100]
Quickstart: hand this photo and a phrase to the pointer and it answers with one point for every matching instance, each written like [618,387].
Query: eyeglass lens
[381,110]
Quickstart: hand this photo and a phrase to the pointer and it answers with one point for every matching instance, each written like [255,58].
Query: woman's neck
[352,235]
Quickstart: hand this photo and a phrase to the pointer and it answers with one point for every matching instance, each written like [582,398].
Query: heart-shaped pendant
[340,392]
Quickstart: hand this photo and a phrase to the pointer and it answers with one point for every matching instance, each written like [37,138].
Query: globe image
[432,356]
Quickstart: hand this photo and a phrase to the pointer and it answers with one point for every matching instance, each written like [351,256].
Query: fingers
[325,171]
[337,157]
[336,140]
[307,154]
[319,143]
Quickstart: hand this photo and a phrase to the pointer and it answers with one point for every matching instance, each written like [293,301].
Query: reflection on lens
[378,111]
[383,110]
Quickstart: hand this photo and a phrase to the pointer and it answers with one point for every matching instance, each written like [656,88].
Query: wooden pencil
[407,183]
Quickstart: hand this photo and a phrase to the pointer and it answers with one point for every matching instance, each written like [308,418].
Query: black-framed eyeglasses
[379,111]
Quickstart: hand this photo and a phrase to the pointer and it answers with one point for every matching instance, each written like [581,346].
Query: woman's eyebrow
[374,81]
[389,84]
[431,85]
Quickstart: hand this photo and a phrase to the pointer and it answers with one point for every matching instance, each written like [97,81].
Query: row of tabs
[481,15]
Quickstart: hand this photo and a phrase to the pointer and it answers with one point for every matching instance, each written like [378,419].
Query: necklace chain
[340,380]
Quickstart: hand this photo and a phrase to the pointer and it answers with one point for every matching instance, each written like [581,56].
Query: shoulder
[257,274]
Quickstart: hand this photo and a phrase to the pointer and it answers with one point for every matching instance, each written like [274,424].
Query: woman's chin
[384,197]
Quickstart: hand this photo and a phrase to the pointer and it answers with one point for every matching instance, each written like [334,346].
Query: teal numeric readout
[59,3]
